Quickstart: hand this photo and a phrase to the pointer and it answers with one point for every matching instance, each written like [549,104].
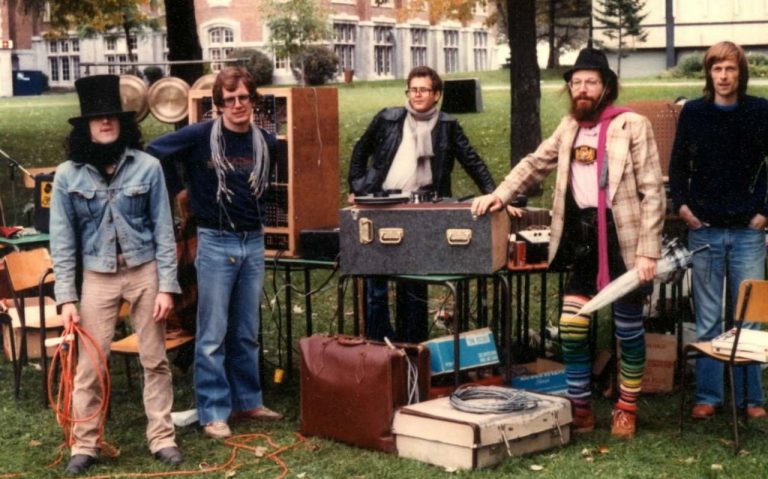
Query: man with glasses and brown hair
[410,148]
[226,163]
[607,217]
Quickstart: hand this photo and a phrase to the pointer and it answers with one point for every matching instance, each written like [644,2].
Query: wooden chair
[663,116]
[752,306]
[29,275]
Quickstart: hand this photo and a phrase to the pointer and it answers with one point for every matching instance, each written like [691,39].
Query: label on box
[544,376]
[476,348]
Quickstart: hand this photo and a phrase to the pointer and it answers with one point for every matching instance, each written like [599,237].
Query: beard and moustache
[587,109]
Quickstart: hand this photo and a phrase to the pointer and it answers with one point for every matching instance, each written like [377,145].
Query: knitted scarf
[421,125]
[608,114]
[259,173]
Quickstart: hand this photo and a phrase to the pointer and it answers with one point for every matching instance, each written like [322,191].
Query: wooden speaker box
[304,179]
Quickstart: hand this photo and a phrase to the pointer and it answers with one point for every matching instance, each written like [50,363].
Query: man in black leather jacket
[395,153]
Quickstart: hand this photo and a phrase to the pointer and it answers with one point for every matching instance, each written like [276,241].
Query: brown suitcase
[350,387]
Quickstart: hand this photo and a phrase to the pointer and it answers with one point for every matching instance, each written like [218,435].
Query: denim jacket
[88,216]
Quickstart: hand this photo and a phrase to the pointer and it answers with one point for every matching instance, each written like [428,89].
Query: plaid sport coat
[634,173]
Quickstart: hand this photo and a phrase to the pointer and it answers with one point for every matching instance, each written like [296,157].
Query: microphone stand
[15,165]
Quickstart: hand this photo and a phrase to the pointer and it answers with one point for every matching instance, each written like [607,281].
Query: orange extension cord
[65,357]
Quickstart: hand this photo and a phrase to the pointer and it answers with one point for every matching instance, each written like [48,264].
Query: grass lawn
[32,130]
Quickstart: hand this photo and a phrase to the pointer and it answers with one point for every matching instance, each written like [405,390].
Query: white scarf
[421,125]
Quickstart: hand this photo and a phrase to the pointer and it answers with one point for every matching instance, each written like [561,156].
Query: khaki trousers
[99,306]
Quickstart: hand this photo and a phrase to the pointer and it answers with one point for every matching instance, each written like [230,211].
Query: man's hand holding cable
[69,314]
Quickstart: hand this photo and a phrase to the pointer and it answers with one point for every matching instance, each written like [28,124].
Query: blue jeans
[741,253]
[230,275]
[411,311]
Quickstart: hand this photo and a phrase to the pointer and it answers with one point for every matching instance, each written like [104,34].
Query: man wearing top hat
[607,217]
[110,211]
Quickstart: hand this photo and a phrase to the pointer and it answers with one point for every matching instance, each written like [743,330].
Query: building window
[220,42]
[63,60]
[480,8]
[110,44]
[382,3]
[383,49]
[345,37]
[117,66]
[281,63]
[480,50]
[451,50]
[418,47]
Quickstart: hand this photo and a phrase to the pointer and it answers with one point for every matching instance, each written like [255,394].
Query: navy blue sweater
[718,161]
[191,146]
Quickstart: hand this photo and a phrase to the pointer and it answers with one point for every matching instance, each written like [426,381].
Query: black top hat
[99,96]
[591,59]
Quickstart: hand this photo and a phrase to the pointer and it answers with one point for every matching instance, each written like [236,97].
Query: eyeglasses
[588,84]
[243,99]
[418,91]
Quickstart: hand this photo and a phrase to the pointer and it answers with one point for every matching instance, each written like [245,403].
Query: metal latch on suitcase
[391,235]
[365,230]
[458,236]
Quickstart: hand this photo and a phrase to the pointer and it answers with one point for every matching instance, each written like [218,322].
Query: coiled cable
[491,399]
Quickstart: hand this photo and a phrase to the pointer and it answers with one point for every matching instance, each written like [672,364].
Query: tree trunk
[554,51]
[183,42]
[525,123]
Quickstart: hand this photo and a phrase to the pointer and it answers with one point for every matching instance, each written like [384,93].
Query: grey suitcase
[422,238]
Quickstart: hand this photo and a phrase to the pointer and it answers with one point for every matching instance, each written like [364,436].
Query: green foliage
[621,19]
[692,66]
[153,73]
[294,25]
[320,64]
[258,63]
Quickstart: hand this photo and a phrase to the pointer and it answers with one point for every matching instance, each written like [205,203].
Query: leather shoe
[757,412]
[703,411]
[258,414]
[79,463]
[217,430]
[170,455]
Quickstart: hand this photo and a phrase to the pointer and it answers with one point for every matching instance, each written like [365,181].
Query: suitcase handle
[350,340]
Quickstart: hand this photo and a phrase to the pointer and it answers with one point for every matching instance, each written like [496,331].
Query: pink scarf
[608,114]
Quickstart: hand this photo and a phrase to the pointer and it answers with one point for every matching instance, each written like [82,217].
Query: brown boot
[583,422]
[624,424]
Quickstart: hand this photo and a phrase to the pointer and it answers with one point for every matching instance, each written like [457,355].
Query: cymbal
[205,82]
[168,99]
[133,94]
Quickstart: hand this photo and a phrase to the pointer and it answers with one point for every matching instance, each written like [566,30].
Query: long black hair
[81,148]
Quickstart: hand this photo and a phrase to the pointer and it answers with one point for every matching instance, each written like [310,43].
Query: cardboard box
[543,376]
[660,359]
[476,348]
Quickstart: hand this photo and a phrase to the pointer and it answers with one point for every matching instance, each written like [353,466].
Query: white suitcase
[436,433]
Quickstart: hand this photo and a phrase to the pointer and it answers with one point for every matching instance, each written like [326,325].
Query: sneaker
[258,414]
[583,422]
[756,412]
[217,430]
[703,411]
[624,424]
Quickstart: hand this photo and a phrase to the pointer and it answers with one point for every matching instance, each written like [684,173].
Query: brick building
[368,38]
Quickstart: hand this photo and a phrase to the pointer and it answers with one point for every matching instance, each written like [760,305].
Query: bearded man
[607,217]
